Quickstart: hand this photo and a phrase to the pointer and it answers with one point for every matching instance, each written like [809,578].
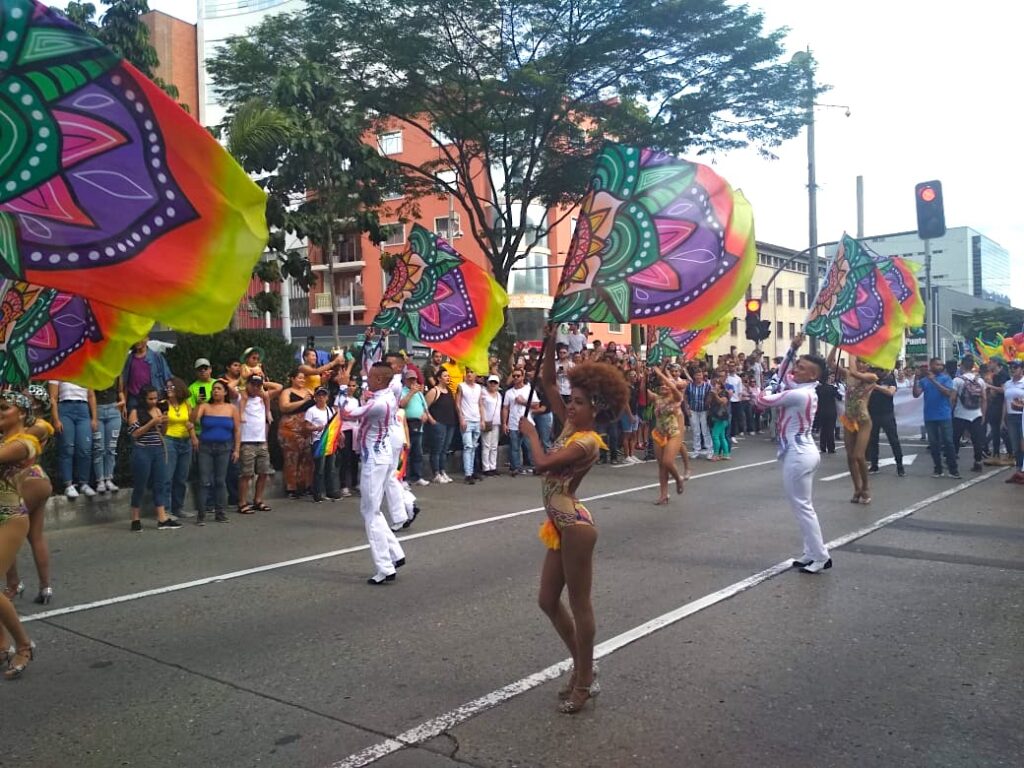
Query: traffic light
[931,219]
[753,319]
[766,330]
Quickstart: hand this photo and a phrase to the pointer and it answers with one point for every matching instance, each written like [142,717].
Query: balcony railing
[345,301]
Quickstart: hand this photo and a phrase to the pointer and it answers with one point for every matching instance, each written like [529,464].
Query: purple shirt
[139,375]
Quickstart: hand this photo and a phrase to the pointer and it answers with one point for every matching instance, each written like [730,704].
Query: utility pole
[929,310]
[805,59]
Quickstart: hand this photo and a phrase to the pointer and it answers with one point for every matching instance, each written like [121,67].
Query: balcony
[346,302]
[346,258]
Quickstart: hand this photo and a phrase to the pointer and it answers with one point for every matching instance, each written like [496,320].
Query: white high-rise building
[219,20]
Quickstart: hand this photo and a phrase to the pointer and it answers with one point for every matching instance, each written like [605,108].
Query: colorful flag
[856,309]
[902,278]
[329,438]
[663,343]
[48,334]
[658,240]
[110,191]
[435,296]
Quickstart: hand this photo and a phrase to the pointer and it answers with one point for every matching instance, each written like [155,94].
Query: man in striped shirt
[697,398]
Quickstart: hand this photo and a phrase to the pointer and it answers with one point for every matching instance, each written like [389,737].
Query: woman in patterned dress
[295,400]
[599,394]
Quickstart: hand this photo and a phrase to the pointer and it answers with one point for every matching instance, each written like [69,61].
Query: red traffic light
[753,305]
[927,194]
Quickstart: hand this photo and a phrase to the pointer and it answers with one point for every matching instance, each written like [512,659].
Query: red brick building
[177,49]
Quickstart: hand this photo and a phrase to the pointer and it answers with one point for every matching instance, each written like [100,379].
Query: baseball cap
[255,380]
[320,391]
[493,378]
[202,362]
[411,375]
[1016,363]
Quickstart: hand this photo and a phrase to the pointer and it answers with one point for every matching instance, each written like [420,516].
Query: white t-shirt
[758,371]
[1012,390]
[345,402]
[469,401]
[959,410]
[577,342]
[735,384]
[492,408]
[318,417]
[517,410]
[254,421]
[68,391]
[562,368]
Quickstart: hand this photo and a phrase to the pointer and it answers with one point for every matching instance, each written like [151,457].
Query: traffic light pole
[812,195]
[929,310]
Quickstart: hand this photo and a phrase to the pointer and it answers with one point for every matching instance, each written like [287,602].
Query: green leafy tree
[986,323]
[296,129]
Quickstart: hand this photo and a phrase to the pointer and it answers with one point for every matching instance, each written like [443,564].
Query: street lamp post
[806,60]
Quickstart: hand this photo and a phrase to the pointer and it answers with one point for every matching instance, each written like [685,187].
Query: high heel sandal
[27,652]
[6,654]
[45,596]
[566,690]
[856,498]
[16,592]
[679,486]
[573,705]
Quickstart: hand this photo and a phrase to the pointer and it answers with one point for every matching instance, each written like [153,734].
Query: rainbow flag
[436,296]
[111,192]
[663,343]
[659,240]
[856,308]
[330,438]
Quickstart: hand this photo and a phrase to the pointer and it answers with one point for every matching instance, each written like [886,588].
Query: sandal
[661,502]
[27,653]
[864,499]
[259,506]
[578,699]
[566,691]
[856,498]
[246,509]
[679,486]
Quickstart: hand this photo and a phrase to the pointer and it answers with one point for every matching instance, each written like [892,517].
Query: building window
[778,329]
[614,327]
[395,234]
[803,299]
[390,143]
[734,327]
[440,138]
[792,330]
[530,275]
[778,296]
[792,298]
[448,233]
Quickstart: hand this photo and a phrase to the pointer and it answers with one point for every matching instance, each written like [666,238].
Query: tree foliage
[986,323]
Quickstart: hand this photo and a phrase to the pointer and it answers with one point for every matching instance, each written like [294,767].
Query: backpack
[970,393]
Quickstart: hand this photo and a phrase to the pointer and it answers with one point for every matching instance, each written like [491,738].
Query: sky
[930,88]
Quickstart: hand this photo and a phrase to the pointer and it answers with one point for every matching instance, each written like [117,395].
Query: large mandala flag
[659,240]
[901,275]
[435,296]
[49,334]
[108,189]
[856,309]
[663,343]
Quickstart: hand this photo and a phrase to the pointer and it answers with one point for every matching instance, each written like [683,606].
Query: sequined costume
[559,487]
[666,420]
[11,475]
[856,413]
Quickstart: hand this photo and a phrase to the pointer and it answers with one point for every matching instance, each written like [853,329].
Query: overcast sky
[931,90]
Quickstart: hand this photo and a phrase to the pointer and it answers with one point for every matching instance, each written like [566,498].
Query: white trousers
[798,482]
[701,433]
[384,546]
[394,491]
[489,452]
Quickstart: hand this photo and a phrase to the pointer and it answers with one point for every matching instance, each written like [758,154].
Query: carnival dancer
[599,394]
[856,420]
[667,435]
[796,401]
[375,418]
[394,491]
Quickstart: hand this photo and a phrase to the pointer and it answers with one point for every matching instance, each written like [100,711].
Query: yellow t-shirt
[177,421]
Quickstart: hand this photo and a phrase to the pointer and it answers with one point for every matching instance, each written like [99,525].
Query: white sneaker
[733,441]
[71,492]
[345,493]
[422,481]
[111,487]
[101,486]
[86,490]
[445,478]
[632,459]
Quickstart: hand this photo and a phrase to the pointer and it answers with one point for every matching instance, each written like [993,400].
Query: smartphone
[163,405]
[203,393]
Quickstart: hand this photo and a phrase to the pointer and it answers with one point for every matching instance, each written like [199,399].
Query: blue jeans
[518,450]
[325,475]
[545,423]
[415,450]
[104,441]
[441,438]
[214,458]
[940,441]
[179,459]
[149,469]
[470,438]
[75,442]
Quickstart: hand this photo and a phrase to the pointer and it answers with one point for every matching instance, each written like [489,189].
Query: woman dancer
[857,425]
[667,435]
[599,393]
[35,489]
[295,400]
[18,451]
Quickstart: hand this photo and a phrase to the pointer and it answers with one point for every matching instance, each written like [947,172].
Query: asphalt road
[258,643]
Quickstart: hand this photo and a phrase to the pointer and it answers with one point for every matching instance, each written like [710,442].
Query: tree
[986,323]
[296,129]
[121,30]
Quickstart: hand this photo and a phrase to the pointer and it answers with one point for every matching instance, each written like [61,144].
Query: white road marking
[908,459]
[337,553]
[438,725]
